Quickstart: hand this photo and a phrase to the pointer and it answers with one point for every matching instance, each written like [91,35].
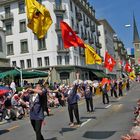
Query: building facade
[121,57]
[26,51]
[136,43]
[4,62]
[107,41]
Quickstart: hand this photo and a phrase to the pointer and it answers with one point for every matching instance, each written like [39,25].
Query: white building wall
[102,40]
[106,39]
[51,37]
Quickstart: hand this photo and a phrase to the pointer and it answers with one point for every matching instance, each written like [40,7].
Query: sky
[119,13]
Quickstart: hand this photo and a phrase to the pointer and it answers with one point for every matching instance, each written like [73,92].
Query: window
[22,26]
[67,60]
[21,7]
[24,46]
[10,50]
[47,62]
[60,43]
[72,22]
[29,65]
[7,9]
[58,2]
[71,8]
[8,27]
[59,18]
[22,65]
[39,62]
[75,60]
[59,60]
[1,44]
[14,64]
[41,44]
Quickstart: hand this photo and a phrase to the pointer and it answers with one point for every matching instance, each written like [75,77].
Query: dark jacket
[73,97]
[104,89]
[88,92]
[36,109]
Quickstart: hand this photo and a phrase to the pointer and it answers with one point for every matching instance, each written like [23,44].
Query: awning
[105,75]
[112,76]
[100,74]
[25,74]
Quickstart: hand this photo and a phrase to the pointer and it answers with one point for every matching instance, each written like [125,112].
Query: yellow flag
[39,18]
[91,56]
[132,75]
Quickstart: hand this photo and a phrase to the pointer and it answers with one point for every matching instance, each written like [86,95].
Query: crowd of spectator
[135,131]
[15,104]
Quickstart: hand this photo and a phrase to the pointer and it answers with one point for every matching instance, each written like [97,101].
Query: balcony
[59,9]
[62,50]
[92,28]
[79,16]
[7,16]
[57,27]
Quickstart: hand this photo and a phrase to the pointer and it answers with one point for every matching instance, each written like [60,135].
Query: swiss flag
[128,67]
[69,36]
[109,62]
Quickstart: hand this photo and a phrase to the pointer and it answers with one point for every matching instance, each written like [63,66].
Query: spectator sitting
[134,134]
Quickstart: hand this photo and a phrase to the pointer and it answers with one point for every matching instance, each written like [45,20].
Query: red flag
[105,81]
[128,67]
[109,62]
[69,36]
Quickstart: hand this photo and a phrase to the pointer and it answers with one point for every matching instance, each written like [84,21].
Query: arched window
[1,48]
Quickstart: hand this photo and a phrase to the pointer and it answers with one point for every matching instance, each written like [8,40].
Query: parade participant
[127,85]
[105,95]
[112,88]
[120,88]
[36,110]
[115,89]
[73,104]
[88,98]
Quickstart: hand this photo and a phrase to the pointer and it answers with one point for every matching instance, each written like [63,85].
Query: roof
[136,37]
[104,21]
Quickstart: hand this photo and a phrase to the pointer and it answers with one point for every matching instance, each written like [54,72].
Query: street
[108,122]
